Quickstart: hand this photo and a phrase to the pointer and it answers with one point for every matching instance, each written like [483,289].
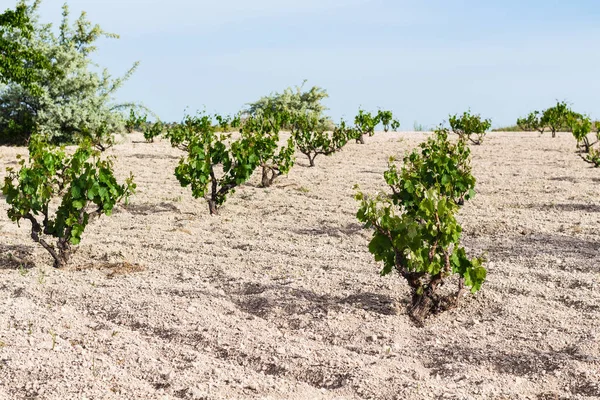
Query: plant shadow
[16,256]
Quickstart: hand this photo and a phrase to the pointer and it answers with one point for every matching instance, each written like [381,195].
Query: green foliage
[415,231]
[435,163]
[292,102]
[581,127]
[471,127]
[214,164]
[557,118]
[19,63]
[71,101]
[533,122]
[83,183]
[135,122]
[263,131]
[365,123]
[512,128]
[313,138]
[387,119]
[152,130]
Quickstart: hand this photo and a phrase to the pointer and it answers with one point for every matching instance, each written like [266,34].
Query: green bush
[263,131]
[19,63]
[533,122]
[365,123]
[556,118]
[415,231]
[135,122]
[214,164]
[470,127]
[292,102]
[152,130]
[387,120]
[311,135]
[83,183]
[71,101]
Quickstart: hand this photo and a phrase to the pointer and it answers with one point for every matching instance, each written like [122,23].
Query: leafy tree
[263,132]
[312,137]
[19,63]
[415,231]
[533,122]
[72,102]
[467,126]
[83,183]
[214,164]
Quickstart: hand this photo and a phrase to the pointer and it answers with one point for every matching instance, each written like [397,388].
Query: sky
[421,59]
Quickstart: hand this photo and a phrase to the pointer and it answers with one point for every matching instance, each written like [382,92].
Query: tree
[72,102]
[263,131]
[292,102]
[312,137]
[214,164]
[19,63]
[468,125]
[83,183]
[415,231]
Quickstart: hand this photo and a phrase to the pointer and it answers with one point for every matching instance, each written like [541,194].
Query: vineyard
[278,296]
[277,253]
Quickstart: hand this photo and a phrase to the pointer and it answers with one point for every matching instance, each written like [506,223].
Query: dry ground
[278,297]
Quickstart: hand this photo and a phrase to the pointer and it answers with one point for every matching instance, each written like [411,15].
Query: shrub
[581,127]
[214,164]
[135,122]
[365,123]
[72,102]
[291,102]
[415,231]
[533,122]
[557,118]
[387,120]
[19,63]
[312,137]
[467,126]
[83,183]
[263,132]
[152,130]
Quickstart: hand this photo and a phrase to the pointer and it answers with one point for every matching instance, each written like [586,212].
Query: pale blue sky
[421,59]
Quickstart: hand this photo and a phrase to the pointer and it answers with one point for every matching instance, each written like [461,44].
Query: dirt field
[278,297]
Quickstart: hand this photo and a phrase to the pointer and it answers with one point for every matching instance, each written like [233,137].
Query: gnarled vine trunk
[267,180]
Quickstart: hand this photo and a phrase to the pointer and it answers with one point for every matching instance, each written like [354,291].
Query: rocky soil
[278,297]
